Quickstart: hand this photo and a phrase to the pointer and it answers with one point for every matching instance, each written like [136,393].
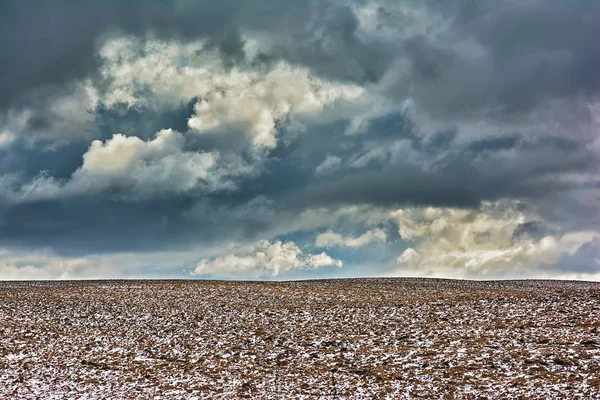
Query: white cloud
[263,259]
[157,164]
[168,73]
[330,239]
[134,167]
[251,99]
[471,243]
[258,101]
[409,257]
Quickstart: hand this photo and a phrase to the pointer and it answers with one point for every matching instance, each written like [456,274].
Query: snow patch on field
[359,339]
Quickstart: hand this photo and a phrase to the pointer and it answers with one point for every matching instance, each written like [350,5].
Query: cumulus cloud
[250,99]
[131,167]
[264,259]
[159,164]
[331,239]
[493,239]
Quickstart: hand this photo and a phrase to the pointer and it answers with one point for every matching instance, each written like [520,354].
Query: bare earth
[356,339]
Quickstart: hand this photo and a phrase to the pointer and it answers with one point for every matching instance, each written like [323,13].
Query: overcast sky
[273,139]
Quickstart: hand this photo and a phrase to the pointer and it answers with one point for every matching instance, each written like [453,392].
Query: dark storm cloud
[27,161]
[47,47]
[87,224]
[438,172]
[83,225]
[441,173]
[423,172]
[331,47]
[499,62]
[50,43]
[522,54]
[537,49]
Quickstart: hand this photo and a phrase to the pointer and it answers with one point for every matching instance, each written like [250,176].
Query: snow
[356,338]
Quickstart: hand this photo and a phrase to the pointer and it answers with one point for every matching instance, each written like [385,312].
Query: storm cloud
[455,138]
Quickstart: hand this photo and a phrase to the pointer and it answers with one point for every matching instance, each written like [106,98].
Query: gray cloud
[378,105]
[501,59]
[585,260]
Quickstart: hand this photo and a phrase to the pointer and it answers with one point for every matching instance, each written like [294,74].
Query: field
[354,339]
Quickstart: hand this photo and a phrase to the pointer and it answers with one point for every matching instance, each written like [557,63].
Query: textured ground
[362,338]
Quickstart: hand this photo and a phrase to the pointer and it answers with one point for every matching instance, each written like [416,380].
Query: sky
[299,139]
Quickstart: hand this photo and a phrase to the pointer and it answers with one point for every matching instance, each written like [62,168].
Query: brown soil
[354,338]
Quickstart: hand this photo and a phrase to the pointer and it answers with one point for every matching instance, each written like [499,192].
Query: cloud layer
[454,138]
